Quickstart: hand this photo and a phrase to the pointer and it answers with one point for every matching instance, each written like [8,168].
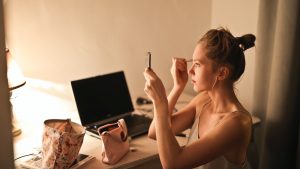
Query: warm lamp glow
[15,76]
[15,80]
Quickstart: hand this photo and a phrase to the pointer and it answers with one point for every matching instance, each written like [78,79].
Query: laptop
[105,99]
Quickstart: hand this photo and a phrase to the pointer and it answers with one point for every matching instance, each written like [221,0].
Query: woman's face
[202,71]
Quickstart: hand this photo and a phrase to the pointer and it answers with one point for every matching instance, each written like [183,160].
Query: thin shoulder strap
[198,113]
[194,127]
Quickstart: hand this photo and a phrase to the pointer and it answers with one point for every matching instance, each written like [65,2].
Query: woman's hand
[179,72]
[154,87]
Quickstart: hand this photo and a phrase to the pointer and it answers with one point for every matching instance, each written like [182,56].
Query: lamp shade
[15,76]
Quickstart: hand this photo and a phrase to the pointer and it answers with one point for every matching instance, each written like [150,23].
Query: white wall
[240,17]
[63,40]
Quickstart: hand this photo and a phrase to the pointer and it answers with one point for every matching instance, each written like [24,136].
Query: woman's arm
[231,135]
[184,118]
[180,120]
[180,77]
[232,132]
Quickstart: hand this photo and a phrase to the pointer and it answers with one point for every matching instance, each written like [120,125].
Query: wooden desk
[38,104]
[145,154]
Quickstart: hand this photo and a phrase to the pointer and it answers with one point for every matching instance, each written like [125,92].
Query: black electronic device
[149,60]
[142,101]
[105,99]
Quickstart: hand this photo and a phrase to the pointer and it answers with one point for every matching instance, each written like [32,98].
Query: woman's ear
[223,73]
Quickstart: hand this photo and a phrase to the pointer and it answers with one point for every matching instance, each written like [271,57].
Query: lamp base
[16,131]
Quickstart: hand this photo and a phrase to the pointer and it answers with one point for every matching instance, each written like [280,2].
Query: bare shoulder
[241,121]
[242,116]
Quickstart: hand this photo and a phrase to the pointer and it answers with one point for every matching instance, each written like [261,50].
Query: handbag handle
[121,124]
[124,133]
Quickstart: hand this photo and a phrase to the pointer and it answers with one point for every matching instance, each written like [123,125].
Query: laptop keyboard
[137,125]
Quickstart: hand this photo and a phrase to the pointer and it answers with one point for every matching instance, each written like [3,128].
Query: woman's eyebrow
[194,60]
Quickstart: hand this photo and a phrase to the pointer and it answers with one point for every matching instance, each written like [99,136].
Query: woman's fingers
[178,59]
[149,75]
[147,87]
[180,64]
[153,86]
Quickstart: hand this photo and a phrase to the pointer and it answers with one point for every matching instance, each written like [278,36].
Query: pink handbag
[62,140]
[115,143]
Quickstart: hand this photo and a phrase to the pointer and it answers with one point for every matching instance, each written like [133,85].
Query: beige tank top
[218,163]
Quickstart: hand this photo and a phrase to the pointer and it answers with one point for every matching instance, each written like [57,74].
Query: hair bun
[246,41]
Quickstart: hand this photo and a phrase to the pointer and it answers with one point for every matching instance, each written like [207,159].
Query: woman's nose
[191,71]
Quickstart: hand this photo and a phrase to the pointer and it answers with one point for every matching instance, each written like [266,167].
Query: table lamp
[15,80]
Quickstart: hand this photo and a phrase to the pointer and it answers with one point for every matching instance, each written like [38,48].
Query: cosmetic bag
[115,142]
[62,140]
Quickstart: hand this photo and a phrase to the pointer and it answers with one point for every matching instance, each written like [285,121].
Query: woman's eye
[197,64]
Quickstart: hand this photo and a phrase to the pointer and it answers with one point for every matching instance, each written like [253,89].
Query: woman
[221,126]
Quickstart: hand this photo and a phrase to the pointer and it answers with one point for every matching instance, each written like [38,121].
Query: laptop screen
[101,97]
